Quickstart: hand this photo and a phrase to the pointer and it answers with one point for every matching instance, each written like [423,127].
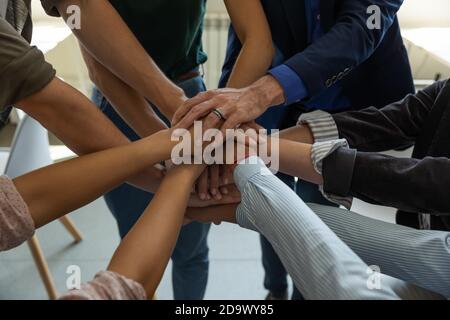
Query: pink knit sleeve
[108,285]
[16,224]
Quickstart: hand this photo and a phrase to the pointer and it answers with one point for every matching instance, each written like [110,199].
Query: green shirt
[170,31]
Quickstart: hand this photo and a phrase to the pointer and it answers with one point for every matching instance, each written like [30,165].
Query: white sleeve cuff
[322,125]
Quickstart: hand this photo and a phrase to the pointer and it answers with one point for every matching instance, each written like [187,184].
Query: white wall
[413,14]
[425,13]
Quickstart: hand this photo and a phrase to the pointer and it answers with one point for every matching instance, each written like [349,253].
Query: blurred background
[424,26]
[236,271]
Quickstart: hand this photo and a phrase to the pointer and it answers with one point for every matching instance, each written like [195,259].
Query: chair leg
[42,266]
[71,228]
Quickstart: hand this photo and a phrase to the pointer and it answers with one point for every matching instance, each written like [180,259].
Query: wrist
[173,101]
[270,91]
[185,175]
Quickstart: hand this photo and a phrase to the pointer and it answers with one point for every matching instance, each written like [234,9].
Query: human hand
[233,196]
[237,106]
[213,182]
[215,214]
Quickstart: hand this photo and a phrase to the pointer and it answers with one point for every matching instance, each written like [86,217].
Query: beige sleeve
[23,69]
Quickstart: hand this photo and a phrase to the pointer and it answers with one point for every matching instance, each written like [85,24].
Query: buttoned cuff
[293,86]
[324,152]
[322,125]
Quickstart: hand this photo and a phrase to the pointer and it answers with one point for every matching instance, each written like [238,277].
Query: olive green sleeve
[23,69]
[50,7]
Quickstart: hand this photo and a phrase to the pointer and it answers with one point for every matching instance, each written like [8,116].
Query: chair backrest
[30,148]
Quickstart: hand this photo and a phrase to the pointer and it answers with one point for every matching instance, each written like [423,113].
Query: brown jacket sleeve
[23,69]
[50,7]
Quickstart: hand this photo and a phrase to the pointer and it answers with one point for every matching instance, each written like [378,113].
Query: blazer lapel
[295,13]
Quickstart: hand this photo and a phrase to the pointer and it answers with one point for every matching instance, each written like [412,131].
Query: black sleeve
[394,126]
[407,184]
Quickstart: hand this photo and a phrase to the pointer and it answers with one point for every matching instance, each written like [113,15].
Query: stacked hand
[227,109]
[237,106]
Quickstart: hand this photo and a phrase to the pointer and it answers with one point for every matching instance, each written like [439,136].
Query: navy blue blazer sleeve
[345,46]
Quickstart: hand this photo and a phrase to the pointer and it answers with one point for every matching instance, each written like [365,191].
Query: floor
[235,270]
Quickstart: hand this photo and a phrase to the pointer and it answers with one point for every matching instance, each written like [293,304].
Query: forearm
[257,49]
[300,134]
[72,118]
[249,67]
[294,159]
[56,190]
[78,123]
[128,103]
[99,18]
[144,253]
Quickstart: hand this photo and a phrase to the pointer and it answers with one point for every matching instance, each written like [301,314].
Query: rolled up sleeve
[23,69]
[334,161]
[322,125]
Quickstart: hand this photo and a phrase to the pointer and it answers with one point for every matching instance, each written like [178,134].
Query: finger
[180,113]
[196,113]
[231,123]
[211,121]
[222,186]
[227,175]
[253,125]
[189,104]
[202,186]
[214,174]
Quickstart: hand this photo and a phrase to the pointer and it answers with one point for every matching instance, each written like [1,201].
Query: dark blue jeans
[190,257]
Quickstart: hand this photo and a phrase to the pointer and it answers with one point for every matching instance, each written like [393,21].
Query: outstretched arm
[321,265]
[144,253]
[78,123]
[99,18]
[251,26]
[129,104]
[56,190]
[61,188]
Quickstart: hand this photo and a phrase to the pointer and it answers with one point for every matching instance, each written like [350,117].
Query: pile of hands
[239,107]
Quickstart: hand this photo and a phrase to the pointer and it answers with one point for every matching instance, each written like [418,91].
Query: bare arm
[294,159]
[250,23]
[144,253]
[61,188]
[248,78]
[128,103]
[99,19]
[79,124]
[300,133]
